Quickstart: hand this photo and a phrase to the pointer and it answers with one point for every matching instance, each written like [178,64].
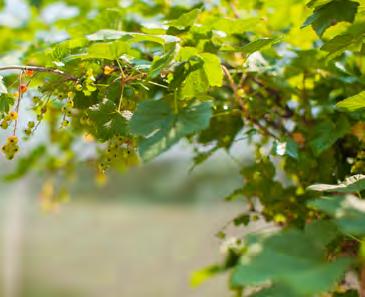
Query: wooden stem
[38,69]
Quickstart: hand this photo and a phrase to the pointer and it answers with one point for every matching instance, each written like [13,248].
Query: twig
[238,99]
[18,101]
[38,69]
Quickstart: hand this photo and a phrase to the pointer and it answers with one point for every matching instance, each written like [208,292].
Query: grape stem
[38,69]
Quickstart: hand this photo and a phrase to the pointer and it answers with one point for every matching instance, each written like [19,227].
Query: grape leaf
[185,20]
[160,63]
[256,45]
[5,102]
[196,83]
[162,128]
[109,34]
[108,121]
[348,212]
[294,259]
[331,13]
[353,103]
[326,134]
[213,69]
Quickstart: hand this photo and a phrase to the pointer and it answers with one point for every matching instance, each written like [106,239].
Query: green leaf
[3,89]
[213,69]
[242,219]
[316,3]
[159,63]
[162,128]
[109,34]
[348,212]
[196,83]
[331,13]
[327,133]
[353,103]
[352,184]
[321,232]
[291,258]
[5,102]
[338,43]
[234,195]
[108,122]
[150,116]
[107,50]
[226,25]
[185,20]
[235,26]
[256,45]
[222,130]
[202,275]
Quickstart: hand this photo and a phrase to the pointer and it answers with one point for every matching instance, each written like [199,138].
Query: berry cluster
[11,116]
[87,86]
[119,153]
[28,131]
[11,147]
[67,109]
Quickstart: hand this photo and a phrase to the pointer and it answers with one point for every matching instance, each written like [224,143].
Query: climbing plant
[117,83]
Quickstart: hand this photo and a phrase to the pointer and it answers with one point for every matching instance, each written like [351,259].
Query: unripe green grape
[15,149]
[36,99]
[83,120]
[31,124]
[65,123]
[4,125]
[12,139]
[27,132]
[70,104]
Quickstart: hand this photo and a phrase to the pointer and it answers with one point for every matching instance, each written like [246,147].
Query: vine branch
[38,69]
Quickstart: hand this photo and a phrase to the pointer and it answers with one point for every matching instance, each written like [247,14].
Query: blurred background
[141,235]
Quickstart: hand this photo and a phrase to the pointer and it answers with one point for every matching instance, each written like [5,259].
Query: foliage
[126,83]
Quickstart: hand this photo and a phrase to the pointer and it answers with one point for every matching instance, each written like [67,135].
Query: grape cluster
[67,109]
[11,147]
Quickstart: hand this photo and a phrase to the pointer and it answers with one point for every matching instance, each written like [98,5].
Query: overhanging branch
[38,69]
